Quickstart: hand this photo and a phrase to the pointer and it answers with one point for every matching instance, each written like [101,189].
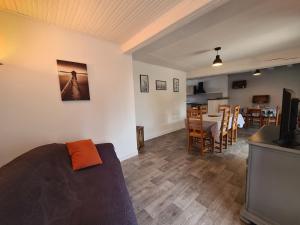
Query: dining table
[212,123]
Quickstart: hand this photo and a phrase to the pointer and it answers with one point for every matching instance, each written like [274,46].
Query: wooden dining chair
[272,119]
[232,133]
[254,115]
[197,134]
[194,112]
[204,109]
[223,139]
[223,107]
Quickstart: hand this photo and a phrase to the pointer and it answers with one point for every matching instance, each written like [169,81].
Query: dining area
[259,116]
[213,132]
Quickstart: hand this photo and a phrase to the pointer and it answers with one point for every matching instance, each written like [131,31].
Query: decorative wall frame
[161,85]
[175,85]
[73,80]
[144,83]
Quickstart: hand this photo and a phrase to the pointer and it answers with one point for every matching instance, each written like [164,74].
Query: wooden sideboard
[273,181]
[140,137]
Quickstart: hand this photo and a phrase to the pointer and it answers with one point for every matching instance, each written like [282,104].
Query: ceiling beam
[181,14]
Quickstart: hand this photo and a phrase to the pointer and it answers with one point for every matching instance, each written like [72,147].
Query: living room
[103,120]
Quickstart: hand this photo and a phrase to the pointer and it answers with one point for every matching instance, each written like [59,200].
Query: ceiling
[182,34]
[250,32]
[113,20]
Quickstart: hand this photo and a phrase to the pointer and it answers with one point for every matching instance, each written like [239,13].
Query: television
[289,117]
[239,84]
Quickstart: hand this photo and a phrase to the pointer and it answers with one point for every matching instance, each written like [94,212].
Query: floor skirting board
[164,132]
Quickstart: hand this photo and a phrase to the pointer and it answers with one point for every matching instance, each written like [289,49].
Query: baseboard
[133,154]
[250,218]
[161,133]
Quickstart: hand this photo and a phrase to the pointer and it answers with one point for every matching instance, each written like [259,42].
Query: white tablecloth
[214,123]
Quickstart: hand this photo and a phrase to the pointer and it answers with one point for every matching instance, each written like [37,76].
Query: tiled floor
[170,186]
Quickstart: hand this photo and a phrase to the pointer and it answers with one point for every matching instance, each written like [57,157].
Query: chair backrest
[224,107]
[194,113]
[204,109]
[235,116]
[225,121]
[194,125]
[253,110]
[256,111]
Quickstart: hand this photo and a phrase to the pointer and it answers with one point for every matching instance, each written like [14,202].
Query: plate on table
[213,115]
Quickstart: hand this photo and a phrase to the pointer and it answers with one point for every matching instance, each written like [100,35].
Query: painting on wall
[161,85]
[144,83]
[73,80]
[175,85]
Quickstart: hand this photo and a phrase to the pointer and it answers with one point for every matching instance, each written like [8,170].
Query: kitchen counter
[218,98]
[213,105]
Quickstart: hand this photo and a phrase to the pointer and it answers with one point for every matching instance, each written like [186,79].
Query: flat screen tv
[289,117]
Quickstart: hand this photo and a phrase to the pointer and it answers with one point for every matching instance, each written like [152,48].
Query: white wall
[160,112]
[32,112]
[271,82]
[212,84]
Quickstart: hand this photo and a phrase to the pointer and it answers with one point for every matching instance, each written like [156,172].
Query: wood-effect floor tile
[170,186]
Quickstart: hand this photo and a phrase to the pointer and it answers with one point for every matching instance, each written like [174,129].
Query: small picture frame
[144,83]
[161,85]
[175,85]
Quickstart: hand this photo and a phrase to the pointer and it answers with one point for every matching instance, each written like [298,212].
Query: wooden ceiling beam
[181,14]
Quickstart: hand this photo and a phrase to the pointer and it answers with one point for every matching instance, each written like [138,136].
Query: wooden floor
[170,186]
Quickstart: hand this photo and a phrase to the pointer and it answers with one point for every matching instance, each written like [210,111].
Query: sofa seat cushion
[40,187]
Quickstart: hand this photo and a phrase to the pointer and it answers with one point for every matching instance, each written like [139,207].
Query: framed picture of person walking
[73,81]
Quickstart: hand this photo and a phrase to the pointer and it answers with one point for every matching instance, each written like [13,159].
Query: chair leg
[235,135]
[221,143]
[231,138]
[226,141]
[202,146]
[246,121]
[190,141]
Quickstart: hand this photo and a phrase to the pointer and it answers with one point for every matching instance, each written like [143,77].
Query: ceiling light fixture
[257,72]
[218,60]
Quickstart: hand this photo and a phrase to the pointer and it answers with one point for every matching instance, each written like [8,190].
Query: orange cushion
[83,154]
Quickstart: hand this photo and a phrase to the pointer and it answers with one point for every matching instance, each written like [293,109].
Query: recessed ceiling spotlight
[218,60]
[257,72]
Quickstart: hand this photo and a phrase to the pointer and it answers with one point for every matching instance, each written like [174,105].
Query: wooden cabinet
[140,137]
[273,184]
